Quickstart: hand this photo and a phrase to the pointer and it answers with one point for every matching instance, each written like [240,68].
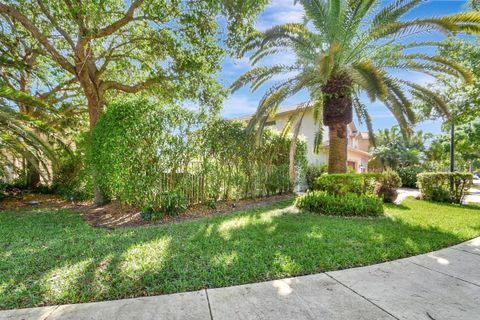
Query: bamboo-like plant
[344,48]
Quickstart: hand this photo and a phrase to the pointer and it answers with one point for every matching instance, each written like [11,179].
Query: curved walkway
[439,285]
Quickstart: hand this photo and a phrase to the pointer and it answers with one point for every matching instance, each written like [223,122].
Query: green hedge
[343,183]
[444,186]
[409,176]
[350,204]
[153,156]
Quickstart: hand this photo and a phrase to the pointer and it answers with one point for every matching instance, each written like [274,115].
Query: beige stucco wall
[308,130]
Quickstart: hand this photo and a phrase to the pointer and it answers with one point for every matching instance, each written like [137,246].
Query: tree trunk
[33,176]
[94,111]
[337,154]
[95,106]
[337,114]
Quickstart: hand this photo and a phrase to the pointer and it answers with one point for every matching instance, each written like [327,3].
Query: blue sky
[244,102]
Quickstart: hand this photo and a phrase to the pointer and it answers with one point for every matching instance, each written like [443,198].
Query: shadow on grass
[54,257]
[396,206]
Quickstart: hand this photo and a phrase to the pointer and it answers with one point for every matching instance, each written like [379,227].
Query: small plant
[445,186]
[350,204]
[173,203]
[387,185]
[212,203]
[150,214]
[314,171]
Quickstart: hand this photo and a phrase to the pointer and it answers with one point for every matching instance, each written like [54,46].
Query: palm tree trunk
[337,114]
[337,154]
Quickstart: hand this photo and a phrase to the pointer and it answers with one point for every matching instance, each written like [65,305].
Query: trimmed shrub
[409,176]
[350,204]
[444,186]
[312,172]
[343,183]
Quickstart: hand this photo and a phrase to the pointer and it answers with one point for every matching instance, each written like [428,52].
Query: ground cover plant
[52,256]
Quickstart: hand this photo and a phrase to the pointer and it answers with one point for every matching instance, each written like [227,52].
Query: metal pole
[452,147]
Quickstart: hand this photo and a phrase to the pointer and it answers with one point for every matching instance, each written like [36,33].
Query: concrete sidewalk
[440,285]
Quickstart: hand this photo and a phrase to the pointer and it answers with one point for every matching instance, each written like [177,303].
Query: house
[358,142]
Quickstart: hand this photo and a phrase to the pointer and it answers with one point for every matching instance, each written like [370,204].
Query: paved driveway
[440,285]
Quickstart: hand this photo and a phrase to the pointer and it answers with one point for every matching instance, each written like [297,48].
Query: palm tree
[33,135]
[345,48]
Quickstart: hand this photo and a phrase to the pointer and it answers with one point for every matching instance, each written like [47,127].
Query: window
[270,123]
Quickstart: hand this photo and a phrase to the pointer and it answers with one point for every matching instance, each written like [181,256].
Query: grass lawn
[53,257]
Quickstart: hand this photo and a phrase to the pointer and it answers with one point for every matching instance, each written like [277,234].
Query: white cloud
[239,105]
[382,116]
[279,12]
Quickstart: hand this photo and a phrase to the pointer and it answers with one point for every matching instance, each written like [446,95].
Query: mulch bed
[116,215]
[23,200]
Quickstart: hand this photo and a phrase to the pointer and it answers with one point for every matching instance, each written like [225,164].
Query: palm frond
[364,118]
[20,97]
[429,96]
[370,79]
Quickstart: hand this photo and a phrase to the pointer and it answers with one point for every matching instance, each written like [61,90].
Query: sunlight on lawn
[225,228]
[145,257]
[61,281]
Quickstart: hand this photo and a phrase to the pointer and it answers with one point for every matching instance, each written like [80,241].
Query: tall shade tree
[347,47]
[111,46]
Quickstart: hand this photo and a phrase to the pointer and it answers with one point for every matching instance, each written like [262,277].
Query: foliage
[110,48]
[394,150]
[390,180]
[72,177]
[173,202]
[34,96]
[343,183]
[2,190]
[408,175]
[142,152]
[242,247]
[138,142]
[313,171]
[445,186]
[150,214]
[211,203]
[349,204]
[344,48]
[463,99]
[134,45]
[387,185]
[467,138]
